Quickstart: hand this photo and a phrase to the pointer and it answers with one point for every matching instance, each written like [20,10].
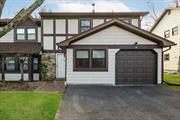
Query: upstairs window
[175,31]
[166,57]
[25,34]
[31,33]
[20,35]
[85,24]
[167,34]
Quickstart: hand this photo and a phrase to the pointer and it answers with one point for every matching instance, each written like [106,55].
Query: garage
[136,67]
[115,53]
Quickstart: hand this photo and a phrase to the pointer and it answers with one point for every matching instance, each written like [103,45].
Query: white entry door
[60,65]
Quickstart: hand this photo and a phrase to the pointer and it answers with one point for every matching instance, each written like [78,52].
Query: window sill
[90,70]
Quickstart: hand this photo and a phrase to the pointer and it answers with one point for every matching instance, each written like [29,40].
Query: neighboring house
[57,27]
[168,26]
[114,53]
[24,41]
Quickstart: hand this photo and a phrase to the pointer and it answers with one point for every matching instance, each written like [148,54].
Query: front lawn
[29,105]
[172,78]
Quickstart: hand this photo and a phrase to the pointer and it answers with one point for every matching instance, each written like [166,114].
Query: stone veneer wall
[49,59]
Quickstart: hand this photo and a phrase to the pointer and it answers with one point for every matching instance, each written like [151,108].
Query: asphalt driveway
[120,103]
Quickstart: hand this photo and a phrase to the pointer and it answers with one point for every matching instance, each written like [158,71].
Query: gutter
[167,49]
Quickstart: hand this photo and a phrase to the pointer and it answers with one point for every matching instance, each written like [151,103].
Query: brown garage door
[136,67]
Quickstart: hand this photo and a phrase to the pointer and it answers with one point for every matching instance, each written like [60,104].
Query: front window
[85,25]
[35,64]
[25,62]
[31,33]
[167,34]
[20,35]
[10,64]
[82,59]
[98,59]
[90,60]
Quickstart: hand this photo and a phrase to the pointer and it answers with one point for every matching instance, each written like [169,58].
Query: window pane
[20,31]
[98,54]
[31,36]
[82,59]
[10,65]
[20,36]
[82,54]
[35,64]
[98,59]
[83,29]
[31,31]
[85,23]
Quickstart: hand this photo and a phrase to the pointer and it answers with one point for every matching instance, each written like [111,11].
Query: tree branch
[2,2]
[20,17]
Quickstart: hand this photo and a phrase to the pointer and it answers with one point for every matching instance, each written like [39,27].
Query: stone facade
[49,60]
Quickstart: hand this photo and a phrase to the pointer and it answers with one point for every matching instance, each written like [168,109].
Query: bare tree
[20,17]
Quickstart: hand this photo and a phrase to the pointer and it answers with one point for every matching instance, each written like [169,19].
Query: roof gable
[116,22]
[113,36]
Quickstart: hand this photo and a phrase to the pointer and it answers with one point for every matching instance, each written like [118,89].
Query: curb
[172,84]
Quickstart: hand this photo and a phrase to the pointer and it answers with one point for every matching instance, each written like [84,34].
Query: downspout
[163,62]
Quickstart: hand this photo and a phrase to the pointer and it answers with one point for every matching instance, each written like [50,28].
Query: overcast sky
[13,6]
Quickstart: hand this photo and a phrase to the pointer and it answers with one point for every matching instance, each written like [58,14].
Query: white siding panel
[112,36]
[91,77]
[9,37]
[60,65]
[48,43]
[47,26]
[36,76]
[159,64]
[39,34]
[0,76]
[97,22]
[60,26]
[73,26]
[59,39]
[15,77]
[135,22]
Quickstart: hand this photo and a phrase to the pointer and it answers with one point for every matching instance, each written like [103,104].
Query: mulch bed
[49,86]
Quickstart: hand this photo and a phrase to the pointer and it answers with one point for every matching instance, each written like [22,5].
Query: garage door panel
[135,66]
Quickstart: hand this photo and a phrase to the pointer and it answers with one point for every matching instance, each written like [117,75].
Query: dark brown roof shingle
[20,48]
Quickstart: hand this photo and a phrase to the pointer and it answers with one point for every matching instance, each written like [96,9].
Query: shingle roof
[140,32]
[21,48]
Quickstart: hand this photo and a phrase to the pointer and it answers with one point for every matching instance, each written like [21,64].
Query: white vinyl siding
[73,26]
[97,22]
[48,26]
[15,76]
[48,43]
[113,36]
[135,22]
[91,77]
[59,39]
[60,26]
[9,37]
[39,34]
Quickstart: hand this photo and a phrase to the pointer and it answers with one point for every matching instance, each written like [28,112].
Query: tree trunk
[20,17]
[2,2]
[22,71]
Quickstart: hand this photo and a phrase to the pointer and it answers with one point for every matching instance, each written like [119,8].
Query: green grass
[172,78]
[29,105]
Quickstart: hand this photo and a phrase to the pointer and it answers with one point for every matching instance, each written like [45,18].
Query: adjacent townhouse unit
[168,26]
[21,43]
[58,26]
